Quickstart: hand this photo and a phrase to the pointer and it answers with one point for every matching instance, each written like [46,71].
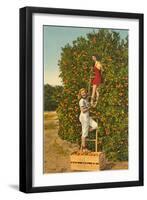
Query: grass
[59,149]
[49,125]
[50,115]
[50,120]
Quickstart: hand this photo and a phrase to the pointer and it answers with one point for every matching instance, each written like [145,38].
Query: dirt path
[57,151]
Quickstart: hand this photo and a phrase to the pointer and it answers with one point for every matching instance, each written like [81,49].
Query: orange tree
[112,108]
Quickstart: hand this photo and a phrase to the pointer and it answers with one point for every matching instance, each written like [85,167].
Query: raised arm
[98,65]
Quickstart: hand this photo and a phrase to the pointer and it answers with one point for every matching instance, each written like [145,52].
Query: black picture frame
[25,89]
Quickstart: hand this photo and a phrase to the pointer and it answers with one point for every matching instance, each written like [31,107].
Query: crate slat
[90,161]
[84,167]
[84,158]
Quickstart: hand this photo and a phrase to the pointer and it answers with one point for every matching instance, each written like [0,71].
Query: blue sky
[56,37]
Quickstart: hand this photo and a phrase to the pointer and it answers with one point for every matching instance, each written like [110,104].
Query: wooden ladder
[95,140]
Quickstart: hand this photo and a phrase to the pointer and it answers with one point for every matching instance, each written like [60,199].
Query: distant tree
[51,97]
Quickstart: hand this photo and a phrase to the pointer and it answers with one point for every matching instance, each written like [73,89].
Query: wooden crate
[87,161]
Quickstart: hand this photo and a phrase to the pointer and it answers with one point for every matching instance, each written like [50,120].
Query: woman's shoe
[90,129]
[86,150]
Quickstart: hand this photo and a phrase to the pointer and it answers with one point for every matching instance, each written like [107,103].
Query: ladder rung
[91,139]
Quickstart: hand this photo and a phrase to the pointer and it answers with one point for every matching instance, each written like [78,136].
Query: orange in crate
[87,161]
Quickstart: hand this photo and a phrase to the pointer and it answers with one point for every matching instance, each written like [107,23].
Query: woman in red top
[97,80]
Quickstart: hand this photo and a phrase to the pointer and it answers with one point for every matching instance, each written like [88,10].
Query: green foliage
[112,107]
[51,97]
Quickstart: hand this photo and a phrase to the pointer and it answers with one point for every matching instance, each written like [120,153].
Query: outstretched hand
[89,107]
[102,69]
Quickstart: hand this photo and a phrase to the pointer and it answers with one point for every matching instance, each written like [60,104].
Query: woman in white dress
[88,124]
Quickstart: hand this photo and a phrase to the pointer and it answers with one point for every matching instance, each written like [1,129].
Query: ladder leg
[96,138]
[96,142]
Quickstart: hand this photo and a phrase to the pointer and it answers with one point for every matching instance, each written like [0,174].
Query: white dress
[85,119]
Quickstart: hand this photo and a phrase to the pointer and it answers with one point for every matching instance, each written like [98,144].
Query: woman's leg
[93,124]
[97,93]
[83,141]
[97,96]
[85,127]
[93,93]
